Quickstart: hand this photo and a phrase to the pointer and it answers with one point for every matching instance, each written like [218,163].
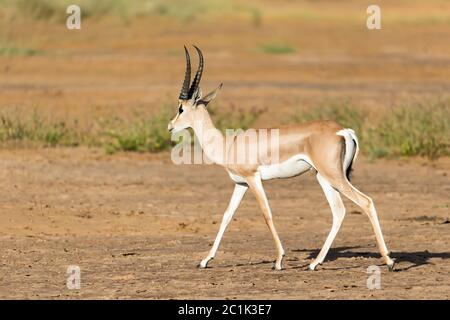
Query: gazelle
[322,146]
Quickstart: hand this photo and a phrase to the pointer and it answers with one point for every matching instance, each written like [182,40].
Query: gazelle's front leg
[255,184]
[238,194]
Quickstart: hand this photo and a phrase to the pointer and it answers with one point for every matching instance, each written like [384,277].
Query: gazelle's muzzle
[170,126]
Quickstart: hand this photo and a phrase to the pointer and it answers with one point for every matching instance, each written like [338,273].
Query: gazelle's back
[276,146]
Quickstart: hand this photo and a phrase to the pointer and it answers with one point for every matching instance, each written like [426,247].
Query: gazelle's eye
[180,110]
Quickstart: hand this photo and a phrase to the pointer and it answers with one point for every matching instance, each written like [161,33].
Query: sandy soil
[137,226]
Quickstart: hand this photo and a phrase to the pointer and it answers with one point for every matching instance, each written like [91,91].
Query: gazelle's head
[191,103]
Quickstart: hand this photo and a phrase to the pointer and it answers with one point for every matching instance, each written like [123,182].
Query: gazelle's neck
[210,138]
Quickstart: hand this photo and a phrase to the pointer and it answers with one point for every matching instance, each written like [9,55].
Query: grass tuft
[55,10]
[234,117]
[414,130]
[405,130]
[10,50]
[40,9]
[339,111]
[276,48]
[46,132]
[137,135]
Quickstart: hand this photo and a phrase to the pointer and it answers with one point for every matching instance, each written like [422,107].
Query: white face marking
[293,166]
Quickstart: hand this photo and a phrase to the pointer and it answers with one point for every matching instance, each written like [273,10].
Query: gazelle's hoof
[279,265]
[278,268]
[391,265]
[204,263]
[313,266]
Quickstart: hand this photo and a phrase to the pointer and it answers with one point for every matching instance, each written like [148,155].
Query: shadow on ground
[415,259]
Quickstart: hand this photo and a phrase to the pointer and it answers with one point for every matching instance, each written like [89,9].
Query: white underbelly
[236,178]
[293,166]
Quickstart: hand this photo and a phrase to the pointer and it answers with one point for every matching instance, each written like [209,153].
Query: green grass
[339,111]
[113,134]
[421,129]
[276,47]
[416,129]
[10,50]
[186,10]
[151,135]
[233,117]
[256,16]
[39,9]
[55,10]
[46,132]
[139,135]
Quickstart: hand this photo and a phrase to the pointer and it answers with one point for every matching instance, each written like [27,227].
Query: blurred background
[115,83]
[87,177]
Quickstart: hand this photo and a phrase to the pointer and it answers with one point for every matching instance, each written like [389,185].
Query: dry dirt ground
[137,226]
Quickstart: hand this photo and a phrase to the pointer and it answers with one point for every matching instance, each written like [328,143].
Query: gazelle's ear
[196,96]
[210,96]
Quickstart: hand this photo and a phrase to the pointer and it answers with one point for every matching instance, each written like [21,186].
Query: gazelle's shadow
[415,259]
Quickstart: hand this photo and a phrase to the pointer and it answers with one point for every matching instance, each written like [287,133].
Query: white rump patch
[351,148]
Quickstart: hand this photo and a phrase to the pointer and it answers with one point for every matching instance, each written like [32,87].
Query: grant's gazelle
[322,146]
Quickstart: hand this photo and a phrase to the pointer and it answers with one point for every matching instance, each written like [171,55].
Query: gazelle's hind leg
[341,183]
[338,211]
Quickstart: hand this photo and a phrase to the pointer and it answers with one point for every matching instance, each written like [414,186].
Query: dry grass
[112,133]
[409,129]
[405,130]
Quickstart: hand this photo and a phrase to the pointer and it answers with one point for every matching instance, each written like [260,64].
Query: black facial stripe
[180,110]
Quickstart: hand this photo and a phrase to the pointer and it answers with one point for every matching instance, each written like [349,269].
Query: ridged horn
[184,93]
[198,74]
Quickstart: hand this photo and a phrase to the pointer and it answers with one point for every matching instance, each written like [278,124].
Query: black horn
[198,75]
[184,94]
